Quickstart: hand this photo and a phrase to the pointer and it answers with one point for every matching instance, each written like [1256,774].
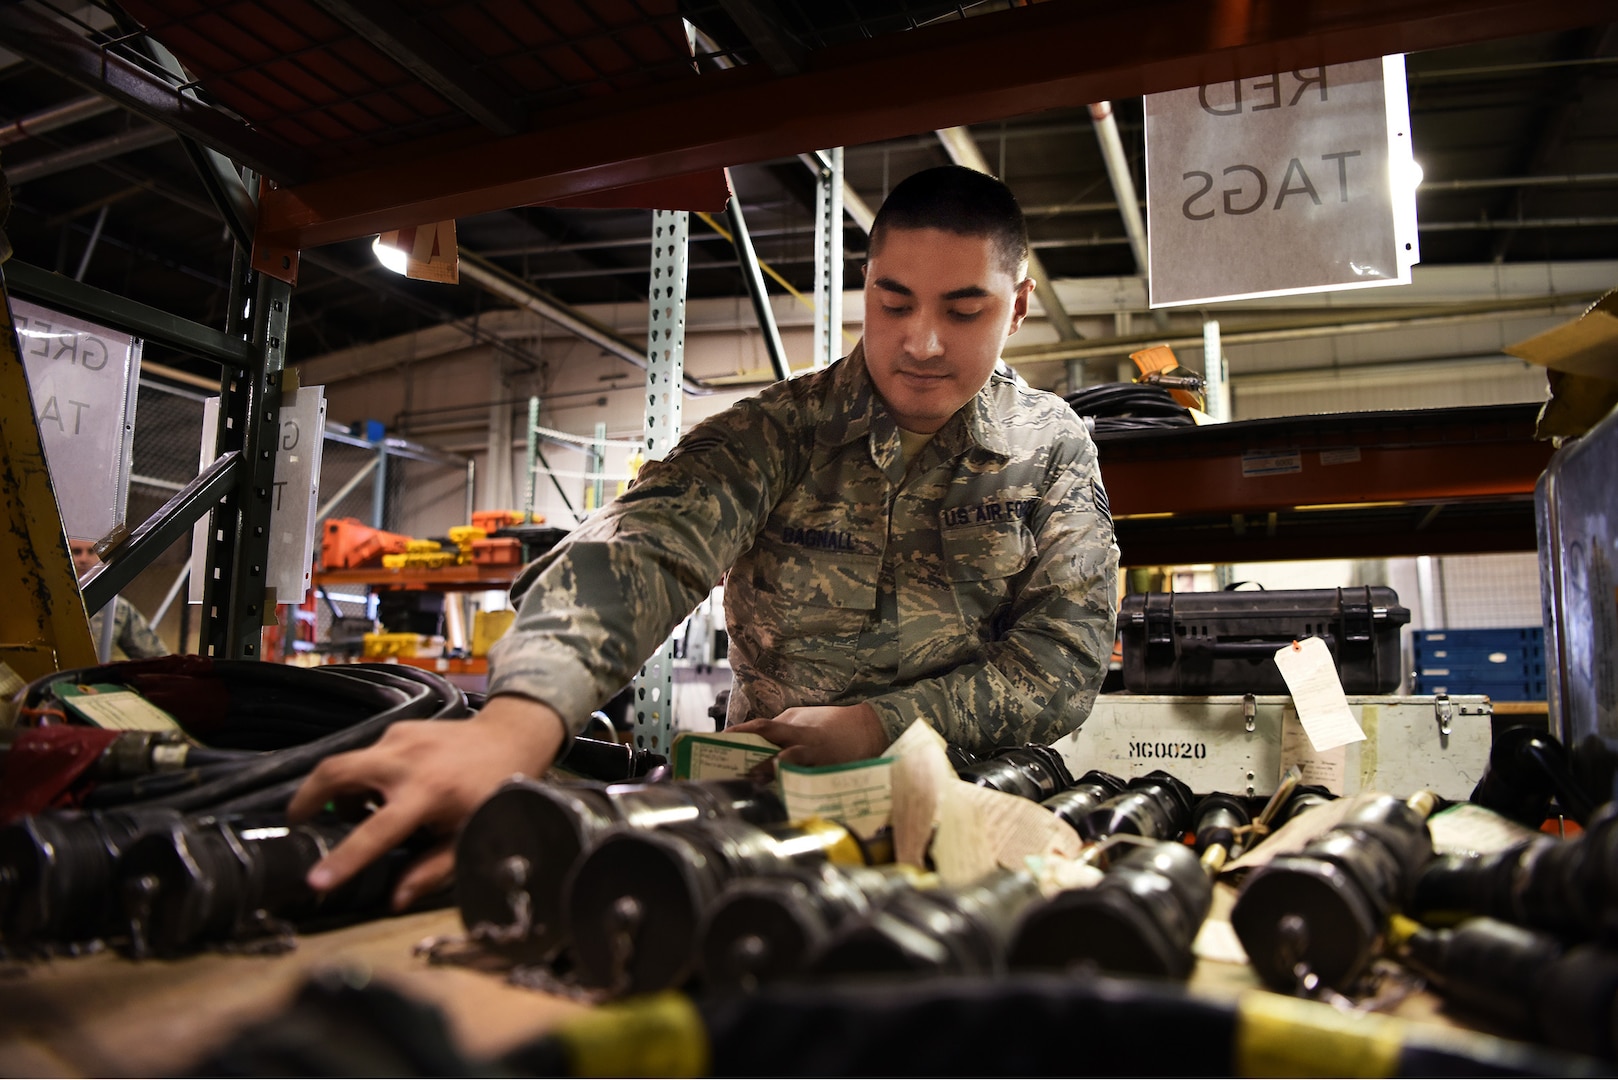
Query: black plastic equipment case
[1225,642]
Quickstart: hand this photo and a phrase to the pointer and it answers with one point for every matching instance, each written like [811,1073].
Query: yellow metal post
[43,624]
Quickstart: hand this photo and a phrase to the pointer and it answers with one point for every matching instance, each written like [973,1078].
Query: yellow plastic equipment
[489,627]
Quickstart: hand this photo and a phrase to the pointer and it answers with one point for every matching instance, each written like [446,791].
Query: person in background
[132,636]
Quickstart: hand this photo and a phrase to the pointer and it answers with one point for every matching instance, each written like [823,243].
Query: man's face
[938,309]
[84,556]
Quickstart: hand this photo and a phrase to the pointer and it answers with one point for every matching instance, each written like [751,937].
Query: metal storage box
[1577,504]
[1234,743]
[1225,642]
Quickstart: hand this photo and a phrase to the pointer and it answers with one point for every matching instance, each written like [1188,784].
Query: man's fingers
[430,872]
[338,775]
[381,832]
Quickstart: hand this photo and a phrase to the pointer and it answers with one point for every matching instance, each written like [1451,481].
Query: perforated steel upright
[234,598]
[829,258]
[665,353]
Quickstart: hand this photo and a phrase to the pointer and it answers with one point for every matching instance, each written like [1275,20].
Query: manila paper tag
[722,755]
[980,829]
[920,770]
[1311,676]
[858,795]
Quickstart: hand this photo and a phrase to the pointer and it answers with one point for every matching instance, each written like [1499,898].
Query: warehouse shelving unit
[1349,485]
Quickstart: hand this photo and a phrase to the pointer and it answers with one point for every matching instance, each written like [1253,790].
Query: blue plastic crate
[1528,690]
[1529,637]
[1498,671]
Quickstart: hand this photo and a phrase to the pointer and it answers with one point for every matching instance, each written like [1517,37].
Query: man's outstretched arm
[427,773]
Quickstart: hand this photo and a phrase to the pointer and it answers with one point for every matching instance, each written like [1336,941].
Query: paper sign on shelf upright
[1292,182]
[298,450]
[84,380]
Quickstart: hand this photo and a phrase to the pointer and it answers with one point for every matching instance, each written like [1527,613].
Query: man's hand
[428,773]
[822,734]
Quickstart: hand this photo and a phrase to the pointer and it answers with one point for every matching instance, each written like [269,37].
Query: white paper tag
[1324,767]
[858,796]
[1469,829]
[124,710]
[1311,676]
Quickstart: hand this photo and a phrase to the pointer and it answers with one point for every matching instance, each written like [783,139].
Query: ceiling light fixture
[389,256]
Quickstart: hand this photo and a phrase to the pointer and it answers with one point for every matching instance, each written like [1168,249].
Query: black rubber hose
[438,699]
[380,694]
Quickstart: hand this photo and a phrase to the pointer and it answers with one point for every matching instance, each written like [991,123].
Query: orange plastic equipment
[492,520]
[347,542]
[502,551]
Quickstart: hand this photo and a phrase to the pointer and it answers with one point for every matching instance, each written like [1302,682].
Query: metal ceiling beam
[414,48]
[963,150]
[1549,128]
[1059,54]
[760,23]
[89,153]
[69,112]
[1557,180]
[1347,323]
[54,47]
[511,288]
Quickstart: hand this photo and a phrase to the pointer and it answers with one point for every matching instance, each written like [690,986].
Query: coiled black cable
[299,716]
[1129,407]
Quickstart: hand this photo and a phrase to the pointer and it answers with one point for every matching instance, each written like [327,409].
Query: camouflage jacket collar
[857,411]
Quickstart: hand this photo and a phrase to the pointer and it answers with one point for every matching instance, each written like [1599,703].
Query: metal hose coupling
[1138,920]
[57,872]
[1033,771]
[1316,917]
[515,853]
[669,877]
[944,931]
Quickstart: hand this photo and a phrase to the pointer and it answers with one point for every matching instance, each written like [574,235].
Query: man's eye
[964,316]
[899,309]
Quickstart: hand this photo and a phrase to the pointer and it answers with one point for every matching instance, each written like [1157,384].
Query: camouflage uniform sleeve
[592,610]
[135,635]
[1038,679]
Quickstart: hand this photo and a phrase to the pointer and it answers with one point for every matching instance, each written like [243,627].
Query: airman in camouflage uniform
[132,636]
[976,590]
[907,536]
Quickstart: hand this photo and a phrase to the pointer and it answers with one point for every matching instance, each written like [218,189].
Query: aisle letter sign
[83,380]
[1293,182]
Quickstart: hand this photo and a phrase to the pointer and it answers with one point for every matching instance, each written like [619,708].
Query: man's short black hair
[958,200]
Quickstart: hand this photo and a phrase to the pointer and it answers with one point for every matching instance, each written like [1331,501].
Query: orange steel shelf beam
[1425,455]
[449,579]
[1062,53]
[1327,486]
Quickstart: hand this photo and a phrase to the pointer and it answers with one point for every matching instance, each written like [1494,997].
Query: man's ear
[1019,303]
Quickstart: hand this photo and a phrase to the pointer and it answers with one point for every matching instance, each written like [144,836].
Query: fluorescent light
[389,256]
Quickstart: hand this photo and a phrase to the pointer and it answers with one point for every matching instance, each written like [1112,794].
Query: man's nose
[923,341]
